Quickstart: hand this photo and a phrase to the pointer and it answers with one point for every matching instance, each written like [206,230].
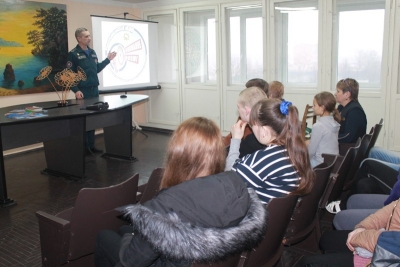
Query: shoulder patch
[69,64]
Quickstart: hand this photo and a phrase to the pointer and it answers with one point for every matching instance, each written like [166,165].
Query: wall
[78,15]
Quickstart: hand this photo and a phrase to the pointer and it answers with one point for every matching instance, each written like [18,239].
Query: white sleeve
[233,154]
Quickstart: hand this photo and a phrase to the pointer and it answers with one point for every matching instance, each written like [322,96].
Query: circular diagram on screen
[131,52]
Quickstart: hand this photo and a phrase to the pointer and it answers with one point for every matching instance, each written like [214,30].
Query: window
[245,45]
[360,41]
[200,47]
[296,33]
[167,60]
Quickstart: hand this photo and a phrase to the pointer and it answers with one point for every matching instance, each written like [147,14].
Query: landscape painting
[33,35]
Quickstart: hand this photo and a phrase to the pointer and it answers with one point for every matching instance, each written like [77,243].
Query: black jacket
[353,124]
[202,220]
[90,65]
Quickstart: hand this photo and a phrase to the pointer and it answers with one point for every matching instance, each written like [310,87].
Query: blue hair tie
[284,107]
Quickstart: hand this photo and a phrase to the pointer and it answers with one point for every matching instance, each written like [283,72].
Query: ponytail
[297,151]
[336,115]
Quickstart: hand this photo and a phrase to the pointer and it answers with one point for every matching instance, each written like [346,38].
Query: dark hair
[276,90]
[268,112]
[260,83]
[328,101]
[349,85]
[195,149]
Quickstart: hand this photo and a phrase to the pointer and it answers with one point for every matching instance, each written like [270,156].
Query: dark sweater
[353,124]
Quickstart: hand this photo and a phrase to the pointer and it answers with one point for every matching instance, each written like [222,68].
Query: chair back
[341,169]
[375,134]
[153,185]
[94,211]
[305,214]
[269,251]
[360,156]
[308,114]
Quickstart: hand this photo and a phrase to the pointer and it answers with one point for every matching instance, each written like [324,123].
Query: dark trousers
[106,252]
[373,177]
[89,92]
[89,139]
[336,253]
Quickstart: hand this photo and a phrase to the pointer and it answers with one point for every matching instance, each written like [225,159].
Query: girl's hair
[328,100]
[276,90]
[349,85]
[269,112]
[195,149]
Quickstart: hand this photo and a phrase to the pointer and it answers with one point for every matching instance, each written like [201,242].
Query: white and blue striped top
[269,171]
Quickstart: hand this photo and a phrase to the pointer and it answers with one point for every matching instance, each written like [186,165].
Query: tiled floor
[19,235]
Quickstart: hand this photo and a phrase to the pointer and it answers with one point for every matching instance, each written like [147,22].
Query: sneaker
[96,151]
[333,207]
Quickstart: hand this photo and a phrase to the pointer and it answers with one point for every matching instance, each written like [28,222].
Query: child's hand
[237,129]
[350,237]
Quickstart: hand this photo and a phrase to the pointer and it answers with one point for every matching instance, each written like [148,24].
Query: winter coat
[374,223]
[202,220]
[324,139]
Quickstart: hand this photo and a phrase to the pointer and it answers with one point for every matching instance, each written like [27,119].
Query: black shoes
[90,151]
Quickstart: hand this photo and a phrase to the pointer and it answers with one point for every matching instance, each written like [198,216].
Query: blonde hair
[195,149]
[250,96]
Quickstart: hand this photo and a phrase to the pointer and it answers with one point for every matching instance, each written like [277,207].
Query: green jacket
[90,65]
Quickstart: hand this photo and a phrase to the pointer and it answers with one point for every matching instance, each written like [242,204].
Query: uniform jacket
[324,139]
[90,65]
[374,223]
[353,124]
[202,220]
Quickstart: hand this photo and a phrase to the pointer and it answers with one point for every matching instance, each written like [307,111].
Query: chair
[308,113]
[360,156]
[376,130]
[269,251]
[341,169]
[69,236]
[304,223]
[150,189]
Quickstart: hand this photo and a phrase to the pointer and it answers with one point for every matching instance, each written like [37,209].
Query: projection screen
[135,42]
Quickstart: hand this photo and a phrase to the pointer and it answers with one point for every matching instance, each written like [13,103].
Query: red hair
[194,150]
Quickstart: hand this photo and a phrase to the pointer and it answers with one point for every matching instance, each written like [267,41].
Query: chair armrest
[141,189]
[328,189]
[329,158]
[54,238]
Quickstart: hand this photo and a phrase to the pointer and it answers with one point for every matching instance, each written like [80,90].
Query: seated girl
[324,134]
[198,216]
[283,167]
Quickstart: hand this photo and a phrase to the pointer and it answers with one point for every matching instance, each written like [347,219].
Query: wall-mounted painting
[33,35]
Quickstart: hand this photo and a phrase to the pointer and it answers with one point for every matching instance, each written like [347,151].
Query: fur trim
[176,240]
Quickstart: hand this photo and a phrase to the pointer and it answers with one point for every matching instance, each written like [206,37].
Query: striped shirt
[269,171]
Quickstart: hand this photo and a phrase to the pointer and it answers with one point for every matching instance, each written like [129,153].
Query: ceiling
[140,3]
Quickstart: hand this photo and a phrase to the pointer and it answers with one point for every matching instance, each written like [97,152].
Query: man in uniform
[85,57]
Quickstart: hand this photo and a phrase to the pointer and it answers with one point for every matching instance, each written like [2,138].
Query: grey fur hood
[178,240]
